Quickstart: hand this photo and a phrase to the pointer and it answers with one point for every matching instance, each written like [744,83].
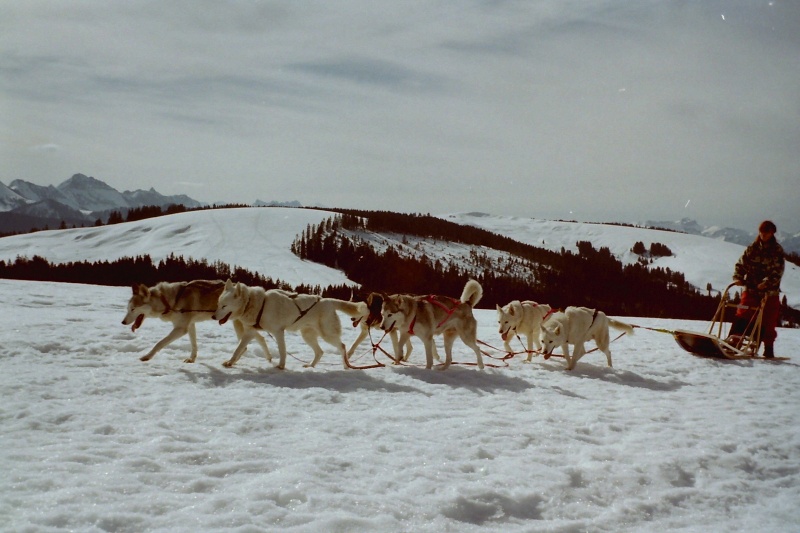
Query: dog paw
[227,364]
[189,360]
[145,358]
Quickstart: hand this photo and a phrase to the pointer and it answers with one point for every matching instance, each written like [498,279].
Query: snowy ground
[95,440]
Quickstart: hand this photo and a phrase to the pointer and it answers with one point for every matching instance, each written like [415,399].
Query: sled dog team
[254,310]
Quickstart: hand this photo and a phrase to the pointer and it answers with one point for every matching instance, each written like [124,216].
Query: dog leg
[428,342]
[403,339]
[565,351]
[530,338]
[176,333]
[577,352]
[449,338]
[193,341]
[263,343]
[478,355]
[280,339]
[359,340]
[247,336]
[310,336]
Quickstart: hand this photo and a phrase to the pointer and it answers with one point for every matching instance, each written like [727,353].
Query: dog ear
[140,289]
[228,284]
[499,309]
[557,330]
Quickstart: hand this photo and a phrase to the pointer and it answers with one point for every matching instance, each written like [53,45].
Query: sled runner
[716,343]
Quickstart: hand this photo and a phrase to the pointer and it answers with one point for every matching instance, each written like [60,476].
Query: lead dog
[277,311]
[577,325]
[426,316]
[522,318]
[183,304]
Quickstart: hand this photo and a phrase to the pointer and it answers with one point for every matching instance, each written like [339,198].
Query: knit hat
[767,226]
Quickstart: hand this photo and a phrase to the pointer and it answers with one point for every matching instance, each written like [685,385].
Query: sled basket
[716,343]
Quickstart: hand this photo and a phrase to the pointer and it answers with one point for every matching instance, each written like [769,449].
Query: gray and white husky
[183,304]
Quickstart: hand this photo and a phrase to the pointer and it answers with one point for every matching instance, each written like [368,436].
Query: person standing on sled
[759,271]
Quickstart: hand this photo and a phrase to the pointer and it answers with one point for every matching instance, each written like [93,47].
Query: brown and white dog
[183,304]
[372,320]
[426,316]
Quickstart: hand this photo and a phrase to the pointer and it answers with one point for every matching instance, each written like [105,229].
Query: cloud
[46,148]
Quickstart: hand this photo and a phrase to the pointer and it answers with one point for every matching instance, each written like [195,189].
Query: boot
[768,353]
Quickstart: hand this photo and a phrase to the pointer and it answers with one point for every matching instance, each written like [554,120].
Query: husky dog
[576,325]
[522,318]
[183,304]
[372,319]
[426,316]
[277,311]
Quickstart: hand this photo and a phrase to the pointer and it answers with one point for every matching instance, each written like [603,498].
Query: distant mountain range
[79,201]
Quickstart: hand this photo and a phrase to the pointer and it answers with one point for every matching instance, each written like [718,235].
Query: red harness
[433,299]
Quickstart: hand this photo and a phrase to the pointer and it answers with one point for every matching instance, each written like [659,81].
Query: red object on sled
[717,344]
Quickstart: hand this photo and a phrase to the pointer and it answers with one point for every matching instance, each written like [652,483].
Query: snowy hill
[258,239]
[700,259]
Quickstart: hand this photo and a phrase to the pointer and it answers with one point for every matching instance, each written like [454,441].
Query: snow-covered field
[95,440]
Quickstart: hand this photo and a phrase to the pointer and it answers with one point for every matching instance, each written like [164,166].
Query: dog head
[508,318]
[230,301]
[393,314]
[139,306]
[552,335]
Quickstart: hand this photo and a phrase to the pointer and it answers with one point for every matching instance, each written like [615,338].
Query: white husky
[183,304]
[277,311]
[522,318]
[577,325]
[426,316]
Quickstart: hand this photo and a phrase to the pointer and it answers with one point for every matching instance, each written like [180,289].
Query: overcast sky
[601,110]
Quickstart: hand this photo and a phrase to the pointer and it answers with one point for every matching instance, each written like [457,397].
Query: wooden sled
[717,344]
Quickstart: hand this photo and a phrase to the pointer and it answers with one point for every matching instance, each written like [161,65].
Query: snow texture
[95,440]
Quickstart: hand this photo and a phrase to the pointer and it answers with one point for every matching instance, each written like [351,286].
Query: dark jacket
[761,262]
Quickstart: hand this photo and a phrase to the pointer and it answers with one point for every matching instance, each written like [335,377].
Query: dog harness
[302,312]
[167,306]
[534,304]
[434,300]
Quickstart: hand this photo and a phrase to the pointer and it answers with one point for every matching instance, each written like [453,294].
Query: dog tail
[354,309]
[616,324]
[473,292]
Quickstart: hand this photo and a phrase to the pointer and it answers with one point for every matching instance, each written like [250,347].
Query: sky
[609,110]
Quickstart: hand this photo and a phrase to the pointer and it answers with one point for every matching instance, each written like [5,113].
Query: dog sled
[718,342]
